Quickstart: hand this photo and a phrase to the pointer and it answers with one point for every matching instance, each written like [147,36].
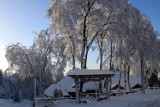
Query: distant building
[67,85]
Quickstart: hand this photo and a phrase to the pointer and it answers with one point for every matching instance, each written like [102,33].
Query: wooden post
[34,91]
[110,83]
[77,89]
[107,94]
[109,86]
[96,92]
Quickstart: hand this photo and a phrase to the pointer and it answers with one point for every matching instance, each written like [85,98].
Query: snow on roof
[114,85]
[90,72]
[71,88]
[50,90]
[66,82]
[133,79]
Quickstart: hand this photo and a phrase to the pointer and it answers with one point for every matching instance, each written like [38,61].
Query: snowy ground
[11,103]
[150,99]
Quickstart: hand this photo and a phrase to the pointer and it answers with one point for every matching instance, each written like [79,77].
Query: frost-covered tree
[74,19]
[72,51]
[147,51]
[102,44]
[137,43]
[43,60]
[59,61]
[84,20]
[22,61]
[127,41]
[79,22]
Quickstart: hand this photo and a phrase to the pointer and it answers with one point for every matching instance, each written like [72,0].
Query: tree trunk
[119,82]
[73,62]
[84,42]
[111,58]
[142,74]
[73,55]
[101,59]
[101,52]
[85,59]
[73,51]
[84,67]
[34,78]
[82,54]
[85,48]
[125,88]
[128,80]
[40,83]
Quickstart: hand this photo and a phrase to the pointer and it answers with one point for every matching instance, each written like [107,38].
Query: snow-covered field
[11,103]
[150,99]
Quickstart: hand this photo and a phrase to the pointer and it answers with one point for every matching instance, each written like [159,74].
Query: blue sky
[20,18]
[151,8]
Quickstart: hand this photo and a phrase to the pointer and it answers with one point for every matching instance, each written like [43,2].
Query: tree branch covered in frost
[131,32]
[44,60]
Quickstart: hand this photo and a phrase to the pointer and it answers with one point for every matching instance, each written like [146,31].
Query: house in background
[55,91]
[67,85]
[61,87]
[135,81]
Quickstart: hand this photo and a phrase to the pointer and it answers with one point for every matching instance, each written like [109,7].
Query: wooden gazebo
[91,75]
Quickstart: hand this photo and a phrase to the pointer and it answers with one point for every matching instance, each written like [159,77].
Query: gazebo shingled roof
[90,73]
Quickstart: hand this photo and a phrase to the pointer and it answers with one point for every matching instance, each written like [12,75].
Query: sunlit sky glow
[20,18]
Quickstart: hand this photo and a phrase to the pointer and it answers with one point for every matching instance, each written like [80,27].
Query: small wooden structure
[84,75]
